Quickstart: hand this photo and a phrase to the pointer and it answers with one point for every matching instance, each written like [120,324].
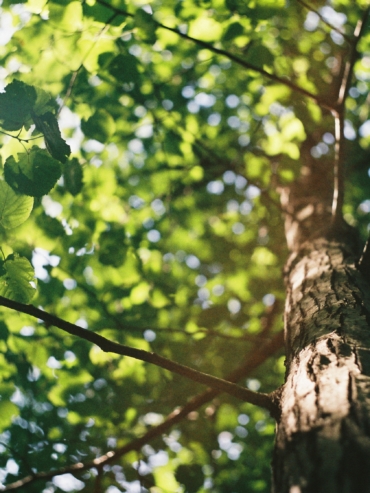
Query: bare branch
[256,359]
[256,398]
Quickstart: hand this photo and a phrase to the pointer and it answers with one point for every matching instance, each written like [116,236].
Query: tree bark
[323,434]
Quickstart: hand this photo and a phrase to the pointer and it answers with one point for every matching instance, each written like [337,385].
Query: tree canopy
[144,146]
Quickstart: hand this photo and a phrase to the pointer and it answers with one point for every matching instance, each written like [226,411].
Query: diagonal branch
[256,398]
[271,76]
[322,18]
[255,360]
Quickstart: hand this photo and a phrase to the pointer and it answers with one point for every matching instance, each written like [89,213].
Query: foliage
[143,149]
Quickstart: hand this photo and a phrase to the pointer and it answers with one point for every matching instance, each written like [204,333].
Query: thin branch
[230,56]
[338,195]
[18,138]
[69,89]
[256,359]
[256,398]
[322,18]
[347,77]
[76,72]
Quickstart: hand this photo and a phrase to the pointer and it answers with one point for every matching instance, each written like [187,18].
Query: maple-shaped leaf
[35,173]
[16,276]
[16,105]
[55,144]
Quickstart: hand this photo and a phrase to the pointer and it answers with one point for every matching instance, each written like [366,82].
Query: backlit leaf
[73,176]
[33,174]
[8,411]
[16,276]
[14,207]
[100,126]
[16,104]
[55,144]
[124,68]
[146,24]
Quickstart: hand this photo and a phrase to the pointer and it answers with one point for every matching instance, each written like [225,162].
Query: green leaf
[147,26]
[4,331]
[260,56]
[100,126]
[191,476]
[102,14]
[34,174]
[55,144]
[52,227]
[8,411]
[14,208]
[44,102]
[15,280]
[16,104]
[112,250]
[124,68]
[73,176]
[233,31]
[7,3]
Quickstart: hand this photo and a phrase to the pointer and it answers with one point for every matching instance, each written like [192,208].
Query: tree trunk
[323,435]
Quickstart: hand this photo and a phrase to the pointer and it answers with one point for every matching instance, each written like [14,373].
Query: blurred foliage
[163,230]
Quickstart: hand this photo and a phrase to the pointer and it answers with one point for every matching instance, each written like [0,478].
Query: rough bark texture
[323,436]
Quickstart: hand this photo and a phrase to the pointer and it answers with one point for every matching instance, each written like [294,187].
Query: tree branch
[338,196]
[273,77]
[311,9]
[338,192]
[256,398]
[255,360]
[347,77]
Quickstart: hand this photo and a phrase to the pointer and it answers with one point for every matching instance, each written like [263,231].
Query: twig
[322,18]
[256,359]
[256,398]
[18,138]
[76,72]
[275,78]
[69,89]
